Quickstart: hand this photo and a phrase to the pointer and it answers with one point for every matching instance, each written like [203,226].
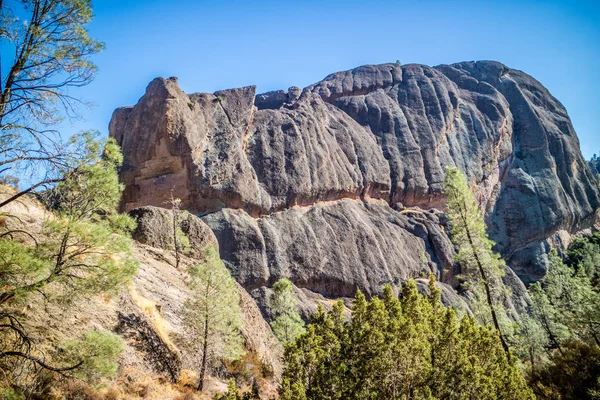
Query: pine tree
[286,323]
[398,349]
[98,352]
[567,304]
[584,252]
[181,243]
[213,314]
[52,51]
[83,251]
[561,332]
[573,374]
[480,264]
[86,249]
[531,341]
[595,164]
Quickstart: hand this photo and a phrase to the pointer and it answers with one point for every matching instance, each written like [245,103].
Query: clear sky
[212,45]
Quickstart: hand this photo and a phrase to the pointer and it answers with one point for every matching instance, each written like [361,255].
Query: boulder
[155,228]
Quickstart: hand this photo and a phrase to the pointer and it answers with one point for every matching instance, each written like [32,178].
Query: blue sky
[212,45]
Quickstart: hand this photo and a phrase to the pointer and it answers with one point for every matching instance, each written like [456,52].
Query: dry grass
[187,380]
[133,384]
[136,384]
[74,390]
[187,396]
[160,325]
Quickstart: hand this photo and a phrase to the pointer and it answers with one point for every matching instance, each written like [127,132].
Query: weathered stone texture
[331,248]
[304,183]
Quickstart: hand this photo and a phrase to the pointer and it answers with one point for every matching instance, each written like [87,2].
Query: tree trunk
[532,360]
[175,238]
[488,292]
[204,358]
[546,326]
[24,192]
[486,285]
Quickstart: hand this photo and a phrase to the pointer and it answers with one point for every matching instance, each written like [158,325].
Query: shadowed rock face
[304,183]
[331,248]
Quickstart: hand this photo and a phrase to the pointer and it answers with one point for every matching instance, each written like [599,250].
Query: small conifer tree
[97,352]
[482,267]
[286,324]
[213,314]
[181,243]
[86,249]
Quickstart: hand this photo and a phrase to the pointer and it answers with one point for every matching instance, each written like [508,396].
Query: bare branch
[24,192]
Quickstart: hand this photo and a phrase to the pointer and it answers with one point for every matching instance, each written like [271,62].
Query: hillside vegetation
[390,232]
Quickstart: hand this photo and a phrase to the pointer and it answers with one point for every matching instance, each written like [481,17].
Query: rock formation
[338,185]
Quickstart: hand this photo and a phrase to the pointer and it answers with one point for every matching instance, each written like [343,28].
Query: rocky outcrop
[332,248]
[155,228]
[312,184]
[168,290]
[547,186]
[141,335]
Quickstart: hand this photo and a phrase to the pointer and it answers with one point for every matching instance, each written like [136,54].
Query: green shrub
[572,374]
[399,349]
[98,353]
[11,394]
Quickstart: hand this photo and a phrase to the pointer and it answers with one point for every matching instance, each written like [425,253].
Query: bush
[571,375]
[11,394]
[98,352]
[398,349]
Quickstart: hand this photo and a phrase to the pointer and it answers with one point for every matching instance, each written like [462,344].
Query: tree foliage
[572,374]
[563,353]
[286,323]
[213,315]
[584,252]
[98,352]
[82,251]
[51,55]
[85,250]
[398,349]
[567,305]
[234,394]
[481,267]
[595,164]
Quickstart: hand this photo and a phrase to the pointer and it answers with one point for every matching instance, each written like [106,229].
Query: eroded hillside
[147,313]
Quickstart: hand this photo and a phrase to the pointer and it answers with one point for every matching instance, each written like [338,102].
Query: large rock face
[311,184]
[331,248]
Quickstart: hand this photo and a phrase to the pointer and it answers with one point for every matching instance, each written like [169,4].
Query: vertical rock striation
[337,185]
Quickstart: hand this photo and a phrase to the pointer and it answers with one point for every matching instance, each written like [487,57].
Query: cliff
[339,185]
